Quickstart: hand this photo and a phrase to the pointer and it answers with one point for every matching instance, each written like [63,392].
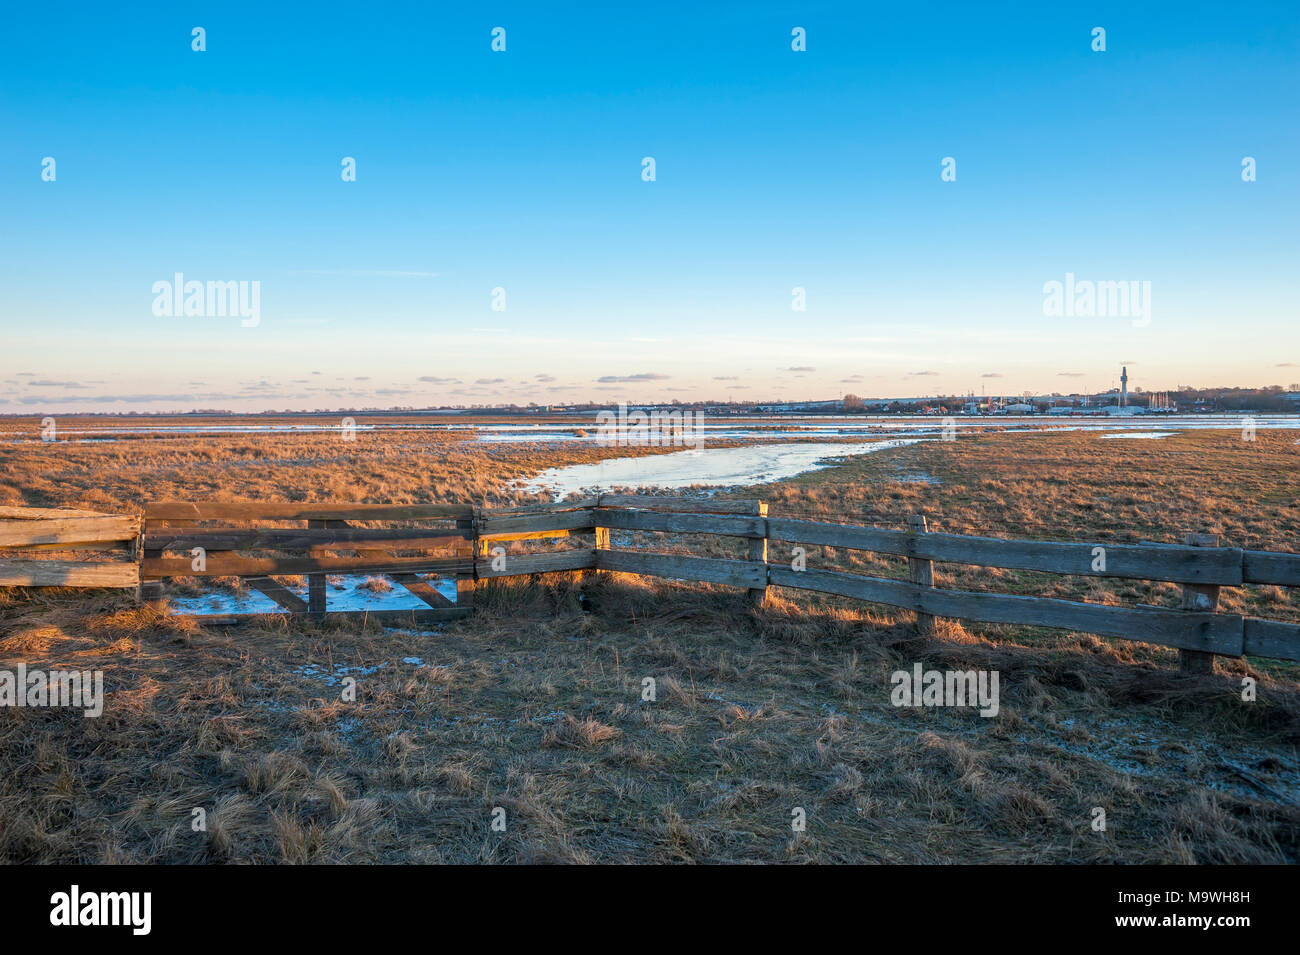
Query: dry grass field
[534,705]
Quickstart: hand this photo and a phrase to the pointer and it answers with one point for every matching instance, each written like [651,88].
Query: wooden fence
[1197,628]
[468,543]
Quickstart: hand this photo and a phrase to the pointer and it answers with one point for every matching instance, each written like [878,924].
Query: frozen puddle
[343,592]
[333,676]
[725,467]
[1126,435]
[336,674]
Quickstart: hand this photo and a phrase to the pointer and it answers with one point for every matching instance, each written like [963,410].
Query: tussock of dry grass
[576,734]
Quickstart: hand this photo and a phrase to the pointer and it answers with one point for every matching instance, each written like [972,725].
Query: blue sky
[521,170]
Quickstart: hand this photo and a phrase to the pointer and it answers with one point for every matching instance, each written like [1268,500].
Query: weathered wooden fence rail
[1197,628]
[35,534]
[469,544]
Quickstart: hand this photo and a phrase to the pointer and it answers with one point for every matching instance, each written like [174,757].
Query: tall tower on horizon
[1123,387]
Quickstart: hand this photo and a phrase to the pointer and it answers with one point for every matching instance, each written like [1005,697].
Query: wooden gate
[260,542]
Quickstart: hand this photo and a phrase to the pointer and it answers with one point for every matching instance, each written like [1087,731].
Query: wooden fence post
[1203,598]
[758,552]
[468,550]
[316,582]
[137,557]
[600,542]
[920,570]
